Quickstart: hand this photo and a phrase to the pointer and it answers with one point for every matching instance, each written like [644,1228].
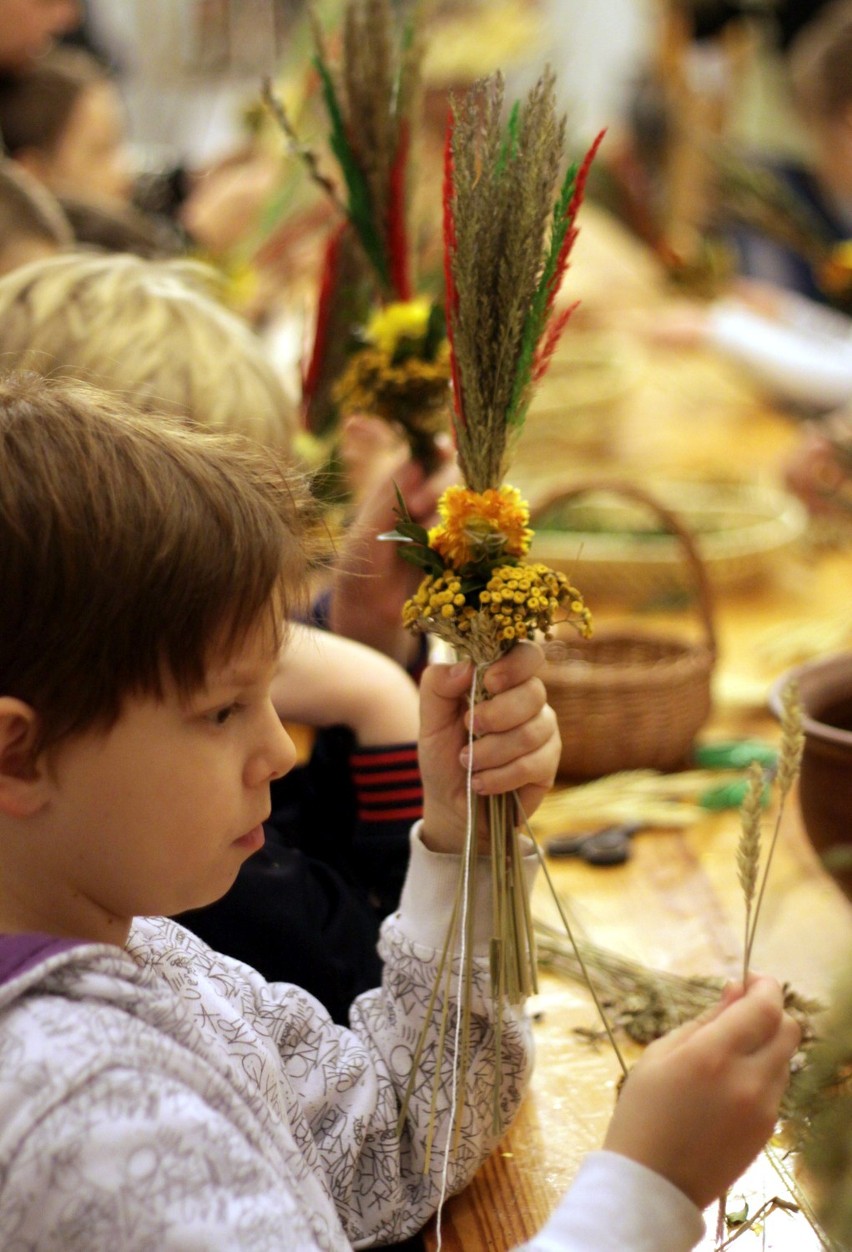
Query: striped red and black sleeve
[387,783]
[389,797]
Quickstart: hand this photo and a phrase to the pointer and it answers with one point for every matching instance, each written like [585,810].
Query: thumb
[442,688]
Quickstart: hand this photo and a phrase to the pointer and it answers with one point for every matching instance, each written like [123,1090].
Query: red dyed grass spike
[324,304]
[397,234]
[570,215]
[449,251]
[556,323]
[551,338]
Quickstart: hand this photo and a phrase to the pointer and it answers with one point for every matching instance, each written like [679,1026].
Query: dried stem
[575,946]
[302,151]
[789,762]
[748,850]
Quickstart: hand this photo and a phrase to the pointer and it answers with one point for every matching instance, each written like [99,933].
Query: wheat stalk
[789,763]
[748,849]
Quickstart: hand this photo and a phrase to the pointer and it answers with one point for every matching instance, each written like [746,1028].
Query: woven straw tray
[610,546]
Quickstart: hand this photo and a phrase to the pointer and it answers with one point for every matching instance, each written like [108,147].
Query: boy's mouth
[253,840]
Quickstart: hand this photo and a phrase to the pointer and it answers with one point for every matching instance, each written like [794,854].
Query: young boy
[154,1094]
[306,908]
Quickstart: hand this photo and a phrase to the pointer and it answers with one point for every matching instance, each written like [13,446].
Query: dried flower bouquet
[509,225]
[378,347]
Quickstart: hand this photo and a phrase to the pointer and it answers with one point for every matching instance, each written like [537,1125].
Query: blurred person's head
[62,119]
[821,75]
[28,27]
[149,331]
[112,226]
[32,225]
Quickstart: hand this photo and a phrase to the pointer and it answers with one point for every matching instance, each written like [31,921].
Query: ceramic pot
[825,783]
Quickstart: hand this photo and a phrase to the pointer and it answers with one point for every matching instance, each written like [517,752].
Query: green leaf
[401,507]
[436,331]
[423,558]
[413,531]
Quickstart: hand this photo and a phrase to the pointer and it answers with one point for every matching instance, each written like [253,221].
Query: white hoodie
[164,1098]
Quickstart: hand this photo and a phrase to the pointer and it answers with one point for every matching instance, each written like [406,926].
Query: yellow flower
[414,392]
[406,319]
[518,601]
[476,525]
[525,598]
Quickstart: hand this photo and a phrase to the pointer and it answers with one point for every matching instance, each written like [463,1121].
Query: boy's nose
[286,755]
[275,756]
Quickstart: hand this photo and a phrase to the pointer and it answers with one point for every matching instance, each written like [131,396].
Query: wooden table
[676,904]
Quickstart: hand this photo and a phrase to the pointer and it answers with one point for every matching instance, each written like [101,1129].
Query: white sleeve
[802,363]
[618,1205]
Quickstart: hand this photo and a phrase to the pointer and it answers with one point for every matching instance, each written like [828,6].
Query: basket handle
[669,519]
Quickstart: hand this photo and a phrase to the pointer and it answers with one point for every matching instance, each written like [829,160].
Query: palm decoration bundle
[377,348]
[509,226]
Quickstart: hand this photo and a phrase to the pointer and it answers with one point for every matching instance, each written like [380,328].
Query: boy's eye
[220,716]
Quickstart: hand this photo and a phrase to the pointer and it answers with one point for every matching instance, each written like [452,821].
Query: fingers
[752,1021]
[759,1019]
[506,675]
[521,662]
[517,759]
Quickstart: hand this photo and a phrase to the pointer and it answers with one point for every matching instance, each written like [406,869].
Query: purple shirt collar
[19,953]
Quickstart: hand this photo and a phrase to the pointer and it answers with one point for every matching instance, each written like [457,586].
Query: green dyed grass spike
[360,208]
[536,317]
[509,145]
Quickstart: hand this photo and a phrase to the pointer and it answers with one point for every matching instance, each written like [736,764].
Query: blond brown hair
[152,332]
[132,550]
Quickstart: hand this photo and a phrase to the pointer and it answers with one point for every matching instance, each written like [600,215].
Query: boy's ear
[21,771]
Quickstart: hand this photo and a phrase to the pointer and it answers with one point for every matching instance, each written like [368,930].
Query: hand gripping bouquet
[509,225]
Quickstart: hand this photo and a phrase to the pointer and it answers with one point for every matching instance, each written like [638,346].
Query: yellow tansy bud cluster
[414,391]
[525,598]
[518,599]
[439,597]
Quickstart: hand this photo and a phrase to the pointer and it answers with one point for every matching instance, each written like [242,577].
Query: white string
[469,835]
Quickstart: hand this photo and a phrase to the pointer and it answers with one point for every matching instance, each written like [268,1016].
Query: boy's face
[158,814]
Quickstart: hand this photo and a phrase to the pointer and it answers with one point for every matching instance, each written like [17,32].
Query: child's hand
[371,580]
[702,1102]
[516,749]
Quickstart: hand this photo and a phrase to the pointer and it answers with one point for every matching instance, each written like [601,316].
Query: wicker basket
[626,699]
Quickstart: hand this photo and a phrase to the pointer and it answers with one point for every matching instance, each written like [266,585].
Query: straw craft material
[626,699]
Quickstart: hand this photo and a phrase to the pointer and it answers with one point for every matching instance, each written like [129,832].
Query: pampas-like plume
[369,100]
[506,251]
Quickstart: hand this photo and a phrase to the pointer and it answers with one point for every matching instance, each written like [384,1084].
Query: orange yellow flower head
[476,525]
